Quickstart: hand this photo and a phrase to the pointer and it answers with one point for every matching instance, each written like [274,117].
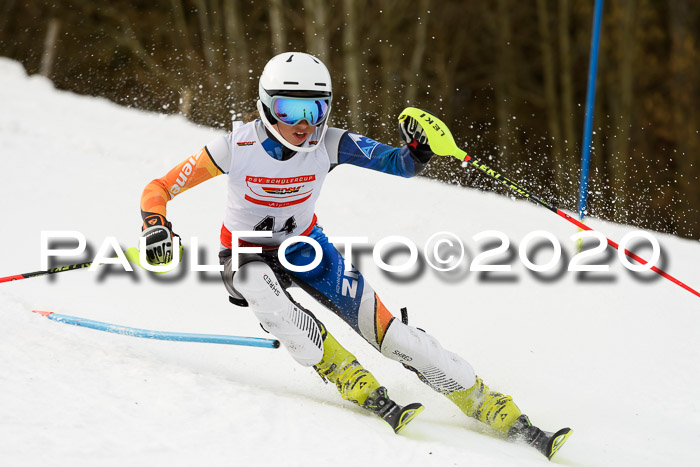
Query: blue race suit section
[365,152]
[325,281]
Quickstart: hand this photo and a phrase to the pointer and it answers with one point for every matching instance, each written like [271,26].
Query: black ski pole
[27,275]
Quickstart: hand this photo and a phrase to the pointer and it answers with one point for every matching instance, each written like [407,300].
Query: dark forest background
[508,76]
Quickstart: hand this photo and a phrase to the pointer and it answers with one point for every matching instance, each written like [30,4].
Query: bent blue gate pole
[161,335]
[590,104]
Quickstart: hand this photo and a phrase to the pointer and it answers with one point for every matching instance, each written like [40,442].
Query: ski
[544,441]
[392,413]
[398,417]
[555,441]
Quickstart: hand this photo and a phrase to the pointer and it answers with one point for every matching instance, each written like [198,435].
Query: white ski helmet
[296,75]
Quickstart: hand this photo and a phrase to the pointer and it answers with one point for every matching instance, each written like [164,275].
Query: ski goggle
[292,110]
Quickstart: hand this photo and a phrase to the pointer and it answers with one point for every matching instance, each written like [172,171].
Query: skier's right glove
[159,244]
[159,239]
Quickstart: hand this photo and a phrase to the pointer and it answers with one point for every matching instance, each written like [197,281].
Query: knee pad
[443,370]
[295,328]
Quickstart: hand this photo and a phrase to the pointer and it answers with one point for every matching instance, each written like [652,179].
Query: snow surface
[613,356]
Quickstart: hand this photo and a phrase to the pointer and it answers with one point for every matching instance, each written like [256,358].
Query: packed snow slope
[611,354]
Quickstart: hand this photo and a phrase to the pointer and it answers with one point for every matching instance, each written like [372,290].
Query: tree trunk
[503,84]
[277,29]
[391,90]
[5,15]
[620,98]
[236,50]
[684,59]
[315,28]
[191,66]
[413,83]
[560,165]
[211,61]
[448,58]
[567,82]
[351,63]
[50,41]
[182,32]
[185,104]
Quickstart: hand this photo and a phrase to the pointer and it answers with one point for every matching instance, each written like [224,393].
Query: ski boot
[357,385]
[545,442]
[490,407]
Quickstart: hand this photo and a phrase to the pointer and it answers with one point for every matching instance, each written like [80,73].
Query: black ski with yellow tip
[544,441]
[395,415]
[553,441]
[398,417]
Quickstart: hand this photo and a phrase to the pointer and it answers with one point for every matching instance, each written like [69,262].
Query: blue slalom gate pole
[590,104]
[161,335]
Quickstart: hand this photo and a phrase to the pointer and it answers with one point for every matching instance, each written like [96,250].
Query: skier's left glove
[417,142]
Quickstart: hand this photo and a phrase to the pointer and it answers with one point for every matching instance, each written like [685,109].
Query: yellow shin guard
[340,367]
[493,408]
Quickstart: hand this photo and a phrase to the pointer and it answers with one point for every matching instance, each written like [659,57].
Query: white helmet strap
[271,128]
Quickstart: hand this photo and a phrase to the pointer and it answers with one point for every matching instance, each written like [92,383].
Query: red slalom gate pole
[640,260]
[522,191]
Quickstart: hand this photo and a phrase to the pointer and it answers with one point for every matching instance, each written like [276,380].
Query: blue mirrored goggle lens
[292,111]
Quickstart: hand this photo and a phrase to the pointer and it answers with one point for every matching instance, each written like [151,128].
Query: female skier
[276,166]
